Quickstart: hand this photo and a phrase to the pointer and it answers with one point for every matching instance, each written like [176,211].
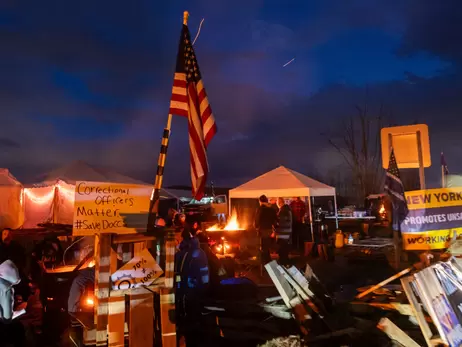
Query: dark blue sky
[91,80]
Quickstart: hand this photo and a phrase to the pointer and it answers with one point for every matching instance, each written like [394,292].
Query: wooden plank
[395,333]
[404,309]
[170,250]
[132,238]
[167,308]
[138,247]
[116,322]
[102,286]
[388,280]
[155,287]
[141,319]
[282,285]
[417,310]
[116,318]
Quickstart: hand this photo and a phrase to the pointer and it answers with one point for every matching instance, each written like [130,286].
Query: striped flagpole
[154,205]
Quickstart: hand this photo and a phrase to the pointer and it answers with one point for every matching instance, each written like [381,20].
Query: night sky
[91,80]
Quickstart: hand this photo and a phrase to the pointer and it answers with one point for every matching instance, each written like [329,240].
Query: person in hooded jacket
[10,331]
[192,282]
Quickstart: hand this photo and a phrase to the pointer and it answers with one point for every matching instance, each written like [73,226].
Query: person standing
[265,220]
[11,332]
[192,280]
[10,249]
[298,209]
[284,231]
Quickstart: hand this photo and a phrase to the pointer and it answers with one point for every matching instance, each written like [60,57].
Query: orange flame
[232,224]
[382,210]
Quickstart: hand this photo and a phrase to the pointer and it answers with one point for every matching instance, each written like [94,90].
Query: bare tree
[359,145]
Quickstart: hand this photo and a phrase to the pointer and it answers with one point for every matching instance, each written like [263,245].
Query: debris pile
[423,310]
[291,341]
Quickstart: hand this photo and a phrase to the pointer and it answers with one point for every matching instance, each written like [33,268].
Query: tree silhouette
[359,145]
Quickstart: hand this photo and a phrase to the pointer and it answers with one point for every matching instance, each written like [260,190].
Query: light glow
[39,199]
[382,209]
[47,198]
[232,224]
[89,301]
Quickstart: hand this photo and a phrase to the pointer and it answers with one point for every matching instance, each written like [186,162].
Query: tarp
[282,182]
[11,212]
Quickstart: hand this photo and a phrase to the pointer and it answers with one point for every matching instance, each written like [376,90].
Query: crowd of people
[198,271]
[275,220]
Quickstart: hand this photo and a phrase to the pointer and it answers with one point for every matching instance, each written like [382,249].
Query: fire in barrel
[224,239]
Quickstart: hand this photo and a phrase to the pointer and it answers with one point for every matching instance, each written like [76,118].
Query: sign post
[420,156]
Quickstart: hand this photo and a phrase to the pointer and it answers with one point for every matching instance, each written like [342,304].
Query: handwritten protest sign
[434,215]
[142,270]
[99,207]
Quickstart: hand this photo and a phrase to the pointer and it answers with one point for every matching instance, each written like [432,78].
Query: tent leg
[336,214]
[311,219]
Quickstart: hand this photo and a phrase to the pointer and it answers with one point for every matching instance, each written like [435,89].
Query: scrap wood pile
[380,315]
[290,341]
[424,310]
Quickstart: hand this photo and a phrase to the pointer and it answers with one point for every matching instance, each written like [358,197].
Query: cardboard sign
[434,215]
[142,270]
[99,207]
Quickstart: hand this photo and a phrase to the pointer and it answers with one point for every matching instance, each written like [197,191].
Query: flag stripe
[189,99]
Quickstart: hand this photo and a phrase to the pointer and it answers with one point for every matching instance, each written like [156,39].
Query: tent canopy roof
[82,171]
[7,179]
[282,182]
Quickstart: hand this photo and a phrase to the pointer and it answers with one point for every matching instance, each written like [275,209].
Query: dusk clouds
[92,80]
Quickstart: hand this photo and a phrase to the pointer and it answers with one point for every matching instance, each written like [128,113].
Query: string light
[21,197]
[39,199]
[68,193]
[44,199]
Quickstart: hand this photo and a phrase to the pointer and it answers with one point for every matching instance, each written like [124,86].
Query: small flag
[189,99]
[444,165]
[395,189]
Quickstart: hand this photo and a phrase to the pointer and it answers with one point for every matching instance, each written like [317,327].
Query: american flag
[189,99]
[444,165]
[395,189]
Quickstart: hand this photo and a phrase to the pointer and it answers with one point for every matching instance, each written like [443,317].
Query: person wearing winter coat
[9,277]
[265,220]
[10,331]
[284,231]
[191,282]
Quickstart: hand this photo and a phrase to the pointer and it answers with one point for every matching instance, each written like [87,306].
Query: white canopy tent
[283,182]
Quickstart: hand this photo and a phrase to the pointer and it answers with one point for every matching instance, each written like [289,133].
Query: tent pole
[336,214]
[311,218]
